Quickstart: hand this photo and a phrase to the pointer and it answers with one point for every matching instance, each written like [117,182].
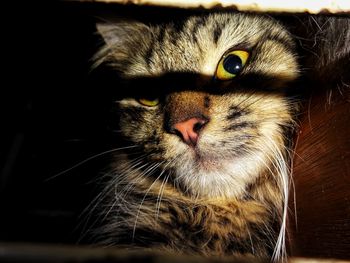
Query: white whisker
[144,198]
[88,159]
[160,194]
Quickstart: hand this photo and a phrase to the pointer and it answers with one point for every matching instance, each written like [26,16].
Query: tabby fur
[228,194]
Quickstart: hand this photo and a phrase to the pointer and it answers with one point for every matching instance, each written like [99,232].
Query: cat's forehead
[197,43]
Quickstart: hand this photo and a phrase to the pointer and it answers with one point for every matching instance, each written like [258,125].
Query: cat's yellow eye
[149,102]
[231,64]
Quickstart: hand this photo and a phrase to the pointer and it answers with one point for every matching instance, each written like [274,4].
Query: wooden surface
[44,253]
[321,227]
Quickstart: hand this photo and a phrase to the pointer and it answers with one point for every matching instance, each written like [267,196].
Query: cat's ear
[120,33]
[123,39]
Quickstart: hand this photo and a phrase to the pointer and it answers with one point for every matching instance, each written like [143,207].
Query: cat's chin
[211,175]
[209,160]
[208,178]
[208,165]
[212,170]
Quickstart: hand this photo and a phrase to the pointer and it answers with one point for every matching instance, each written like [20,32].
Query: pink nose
[189,130]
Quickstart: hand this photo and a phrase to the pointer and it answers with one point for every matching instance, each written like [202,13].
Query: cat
[206,116]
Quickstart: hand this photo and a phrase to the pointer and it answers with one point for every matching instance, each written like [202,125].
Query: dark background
[56,113]
[53,116]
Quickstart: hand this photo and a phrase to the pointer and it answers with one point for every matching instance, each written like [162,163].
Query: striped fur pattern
[228,194]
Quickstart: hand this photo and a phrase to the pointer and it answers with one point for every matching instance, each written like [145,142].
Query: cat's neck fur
[154,214]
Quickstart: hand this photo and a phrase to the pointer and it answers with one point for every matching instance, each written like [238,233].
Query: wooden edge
[53,253]
[293,6]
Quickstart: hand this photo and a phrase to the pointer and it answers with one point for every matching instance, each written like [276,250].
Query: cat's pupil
[233,64]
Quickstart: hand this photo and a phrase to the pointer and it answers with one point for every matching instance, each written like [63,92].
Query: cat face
[209,108]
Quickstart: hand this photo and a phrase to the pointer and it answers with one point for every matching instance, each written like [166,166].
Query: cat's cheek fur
[132,129]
